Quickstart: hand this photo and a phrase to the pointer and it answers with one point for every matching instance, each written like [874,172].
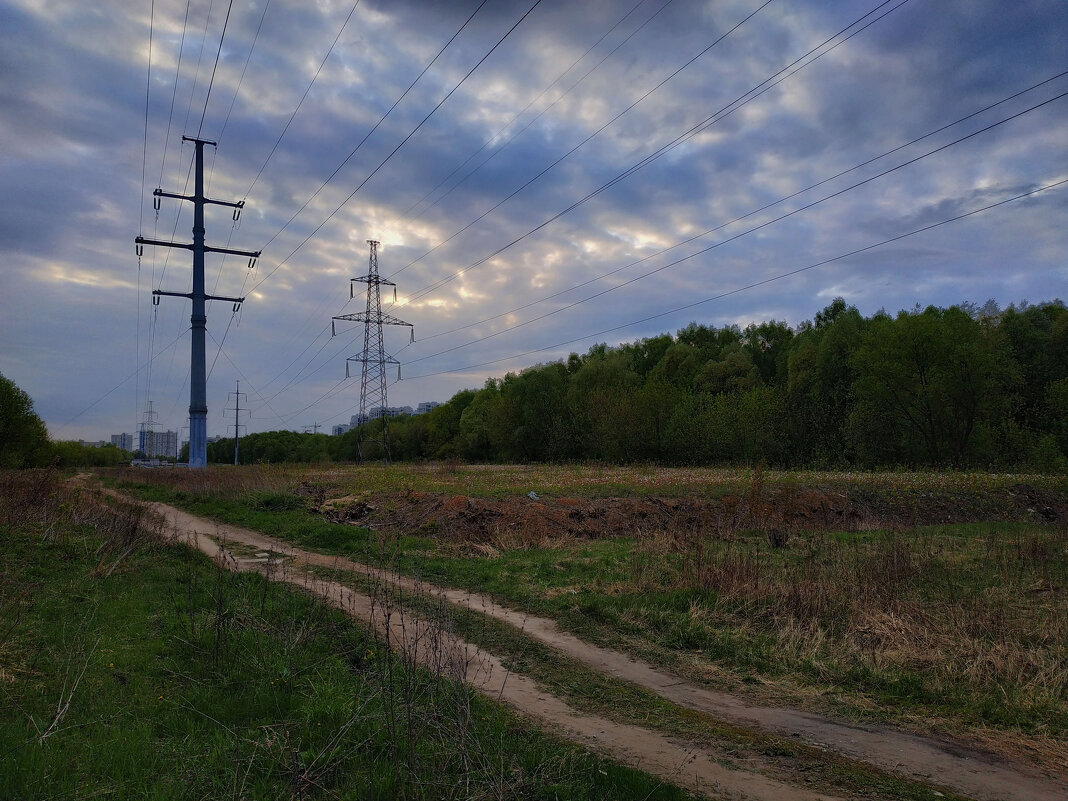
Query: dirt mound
[529,521]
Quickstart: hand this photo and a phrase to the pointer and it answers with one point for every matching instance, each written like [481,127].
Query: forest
[962,387]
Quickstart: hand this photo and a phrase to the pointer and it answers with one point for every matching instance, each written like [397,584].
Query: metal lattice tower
[373,358]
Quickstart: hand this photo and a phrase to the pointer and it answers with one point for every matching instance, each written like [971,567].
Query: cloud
[73,122]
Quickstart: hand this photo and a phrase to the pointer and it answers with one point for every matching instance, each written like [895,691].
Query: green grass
[588,480]
[188,682]
[964,624]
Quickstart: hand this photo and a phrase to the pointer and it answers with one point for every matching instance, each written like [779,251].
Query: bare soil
[543,520]
[940,762]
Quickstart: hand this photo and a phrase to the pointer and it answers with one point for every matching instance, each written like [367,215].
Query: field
[131,667]
[933,602]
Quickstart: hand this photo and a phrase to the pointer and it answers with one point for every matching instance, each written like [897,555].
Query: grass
[963,626]
[132,667]
[588,481]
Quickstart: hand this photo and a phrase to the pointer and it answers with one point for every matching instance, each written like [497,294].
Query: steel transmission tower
[198,402]
[373,357]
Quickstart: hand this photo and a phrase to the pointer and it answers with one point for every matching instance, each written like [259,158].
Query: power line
[427,337]
[302,98]
[537,116]
[374,128]
[241,80]
[753,285]
[380,165]
[719,114]
[136,371]
[148,90]
[200,60]
[398,147]
[211,83]
[722,113]
[340,166]
[174,92]
[733,106]
[244,377]
[747,231]
[141,220]
[591,136]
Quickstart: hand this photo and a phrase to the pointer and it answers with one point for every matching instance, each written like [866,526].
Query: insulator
[251,262]
[237,213]
[333,329]
[413,335]
[398,373]
[237,306]
[140,250]
[352,294]
[346,371]
[156,202]
[155,300]
[394,294]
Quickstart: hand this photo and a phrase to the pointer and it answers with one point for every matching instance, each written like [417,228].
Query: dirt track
[940,762]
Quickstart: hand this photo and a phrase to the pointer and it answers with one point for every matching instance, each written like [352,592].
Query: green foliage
[962,387]
[74,454]
[177,680]
[23,436]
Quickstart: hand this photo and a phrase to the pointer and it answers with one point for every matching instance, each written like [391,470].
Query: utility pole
[237,420]
[198,402]
[373,357]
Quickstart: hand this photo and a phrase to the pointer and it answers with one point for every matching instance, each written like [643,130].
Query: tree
[925,380]
[23,436]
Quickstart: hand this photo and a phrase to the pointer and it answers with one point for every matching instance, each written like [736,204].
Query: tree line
[24,440]
[963,386]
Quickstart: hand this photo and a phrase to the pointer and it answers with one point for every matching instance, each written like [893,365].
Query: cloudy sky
[555,174]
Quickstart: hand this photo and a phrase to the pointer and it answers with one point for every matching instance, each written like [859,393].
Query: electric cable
[766,84]
[752,285]
[319,310]
[729,108]
[211,83]
[302,98]
[374,128]
[241,80]
[398,147]
[423,338]
[611,121]
[489,141]
[741,234]
[762,87]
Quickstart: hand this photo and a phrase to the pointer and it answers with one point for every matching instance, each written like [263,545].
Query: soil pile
[523,520]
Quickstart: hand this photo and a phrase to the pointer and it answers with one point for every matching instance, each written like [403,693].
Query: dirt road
[939,762]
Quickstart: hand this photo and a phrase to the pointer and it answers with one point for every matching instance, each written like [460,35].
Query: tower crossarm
[381,317]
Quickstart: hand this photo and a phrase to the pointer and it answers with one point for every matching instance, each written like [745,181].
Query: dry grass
[987,612]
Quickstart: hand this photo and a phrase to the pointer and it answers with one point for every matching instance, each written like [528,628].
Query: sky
[542,177]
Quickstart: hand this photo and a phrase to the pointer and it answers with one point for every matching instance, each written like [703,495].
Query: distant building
[154,444]
[126,442]
[388,411]
[85,443]
[340,428]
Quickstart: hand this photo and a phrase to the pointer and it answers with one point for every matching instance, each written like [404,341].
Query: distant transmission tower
[147,435]
[237,425]
[373,357]
[198,400]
